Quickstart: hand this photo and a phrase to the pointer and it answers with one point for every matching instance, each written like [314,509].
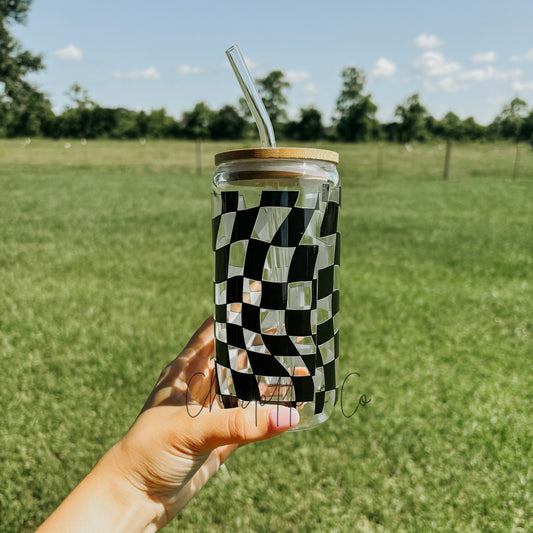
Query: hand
[178,441]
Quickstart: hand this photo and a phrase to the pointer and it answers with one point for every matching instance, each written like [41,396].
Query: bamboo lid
[277,153]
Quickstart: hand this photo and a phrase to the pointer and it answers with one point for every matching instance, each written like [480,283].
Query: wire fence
[374,161]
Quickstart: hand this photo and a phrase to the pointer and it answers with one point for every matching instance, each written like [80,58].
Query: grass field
[105,271]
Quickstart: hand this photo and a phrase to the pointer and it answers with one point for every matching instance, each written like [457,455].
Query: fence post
[198,156]
[447,159]
[516,160]
[380,160]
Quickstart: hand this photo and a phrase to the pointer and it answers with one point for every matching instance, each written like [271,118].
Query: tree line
[25,111]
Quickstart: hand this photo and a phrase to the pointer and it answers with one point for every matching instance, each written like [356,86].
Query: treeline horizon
[25,111]
[85,119]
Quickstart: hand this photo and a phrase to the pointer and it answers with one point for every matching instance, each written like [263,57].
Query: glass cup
[276,279]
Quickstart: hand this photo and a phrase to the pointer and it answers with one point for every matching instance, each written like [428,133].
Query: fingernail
[283,418]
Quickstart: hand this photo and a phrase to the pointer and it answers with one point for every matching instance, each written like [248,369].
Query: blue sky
[471,57]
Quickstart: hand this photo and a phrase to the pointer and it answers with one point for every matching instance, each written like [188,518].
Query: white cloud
[427,41]
[295,76]
[250,63]
[188,69]
[293,113]
[484,57]
[150,73]
[449,84]
[489,73]
[310,89]
[458,80]
[496,100]
[70,52]
[528,56]
[452,77]
[434,64]
[384,68]
[523,86]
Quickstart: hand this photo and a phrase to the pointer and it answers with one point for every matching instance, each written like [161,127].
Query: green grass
[105,269]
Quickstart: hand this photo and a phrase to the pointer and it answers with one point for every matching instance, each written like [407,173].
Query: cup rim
[277,153]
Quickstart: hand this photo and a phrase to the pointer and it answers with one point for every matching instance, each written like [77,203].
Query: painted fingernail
[283,418]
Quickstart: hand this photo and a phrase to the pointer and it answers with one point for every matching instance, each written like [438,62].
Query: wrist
[105,501]
[130,508]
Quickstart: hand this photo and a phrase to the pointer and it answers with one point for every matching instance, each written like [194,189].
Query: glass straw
[254,101]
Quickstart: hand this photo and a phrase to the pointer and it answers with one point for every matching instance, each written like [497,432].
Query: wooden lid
[277,153]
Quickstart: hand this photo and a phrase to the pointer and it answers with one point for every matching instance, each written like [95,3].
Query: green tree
[353,82]
[472,130]
[80,96]
[125,124]
[433,127]
[21,104]
[527,128]
[508,124]
[391,131]
[272,89]
[308,128]
[412,117]
[227,123]
[30,116]
[452,126]
[103,122]
[159,123]
[142,123]
[195,123]
[78,118]
[356,113]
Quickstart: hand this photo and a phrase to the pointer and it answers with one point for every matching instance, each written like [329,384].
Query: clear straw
[254,101]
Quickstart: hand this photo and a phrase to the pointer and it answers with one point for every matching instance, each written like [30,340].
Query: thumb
[241,425]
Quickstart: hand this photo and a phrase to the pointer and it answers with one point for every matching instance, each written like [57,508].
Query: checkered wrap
[276,295]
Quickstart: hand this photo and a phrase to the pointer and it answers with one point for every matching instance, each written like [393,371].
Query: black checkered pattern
[276,295]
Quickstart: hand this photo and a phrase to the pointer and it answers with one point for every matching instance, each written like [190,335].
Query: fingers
[189,374]
[242,425]
[202,343]
[193,364]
